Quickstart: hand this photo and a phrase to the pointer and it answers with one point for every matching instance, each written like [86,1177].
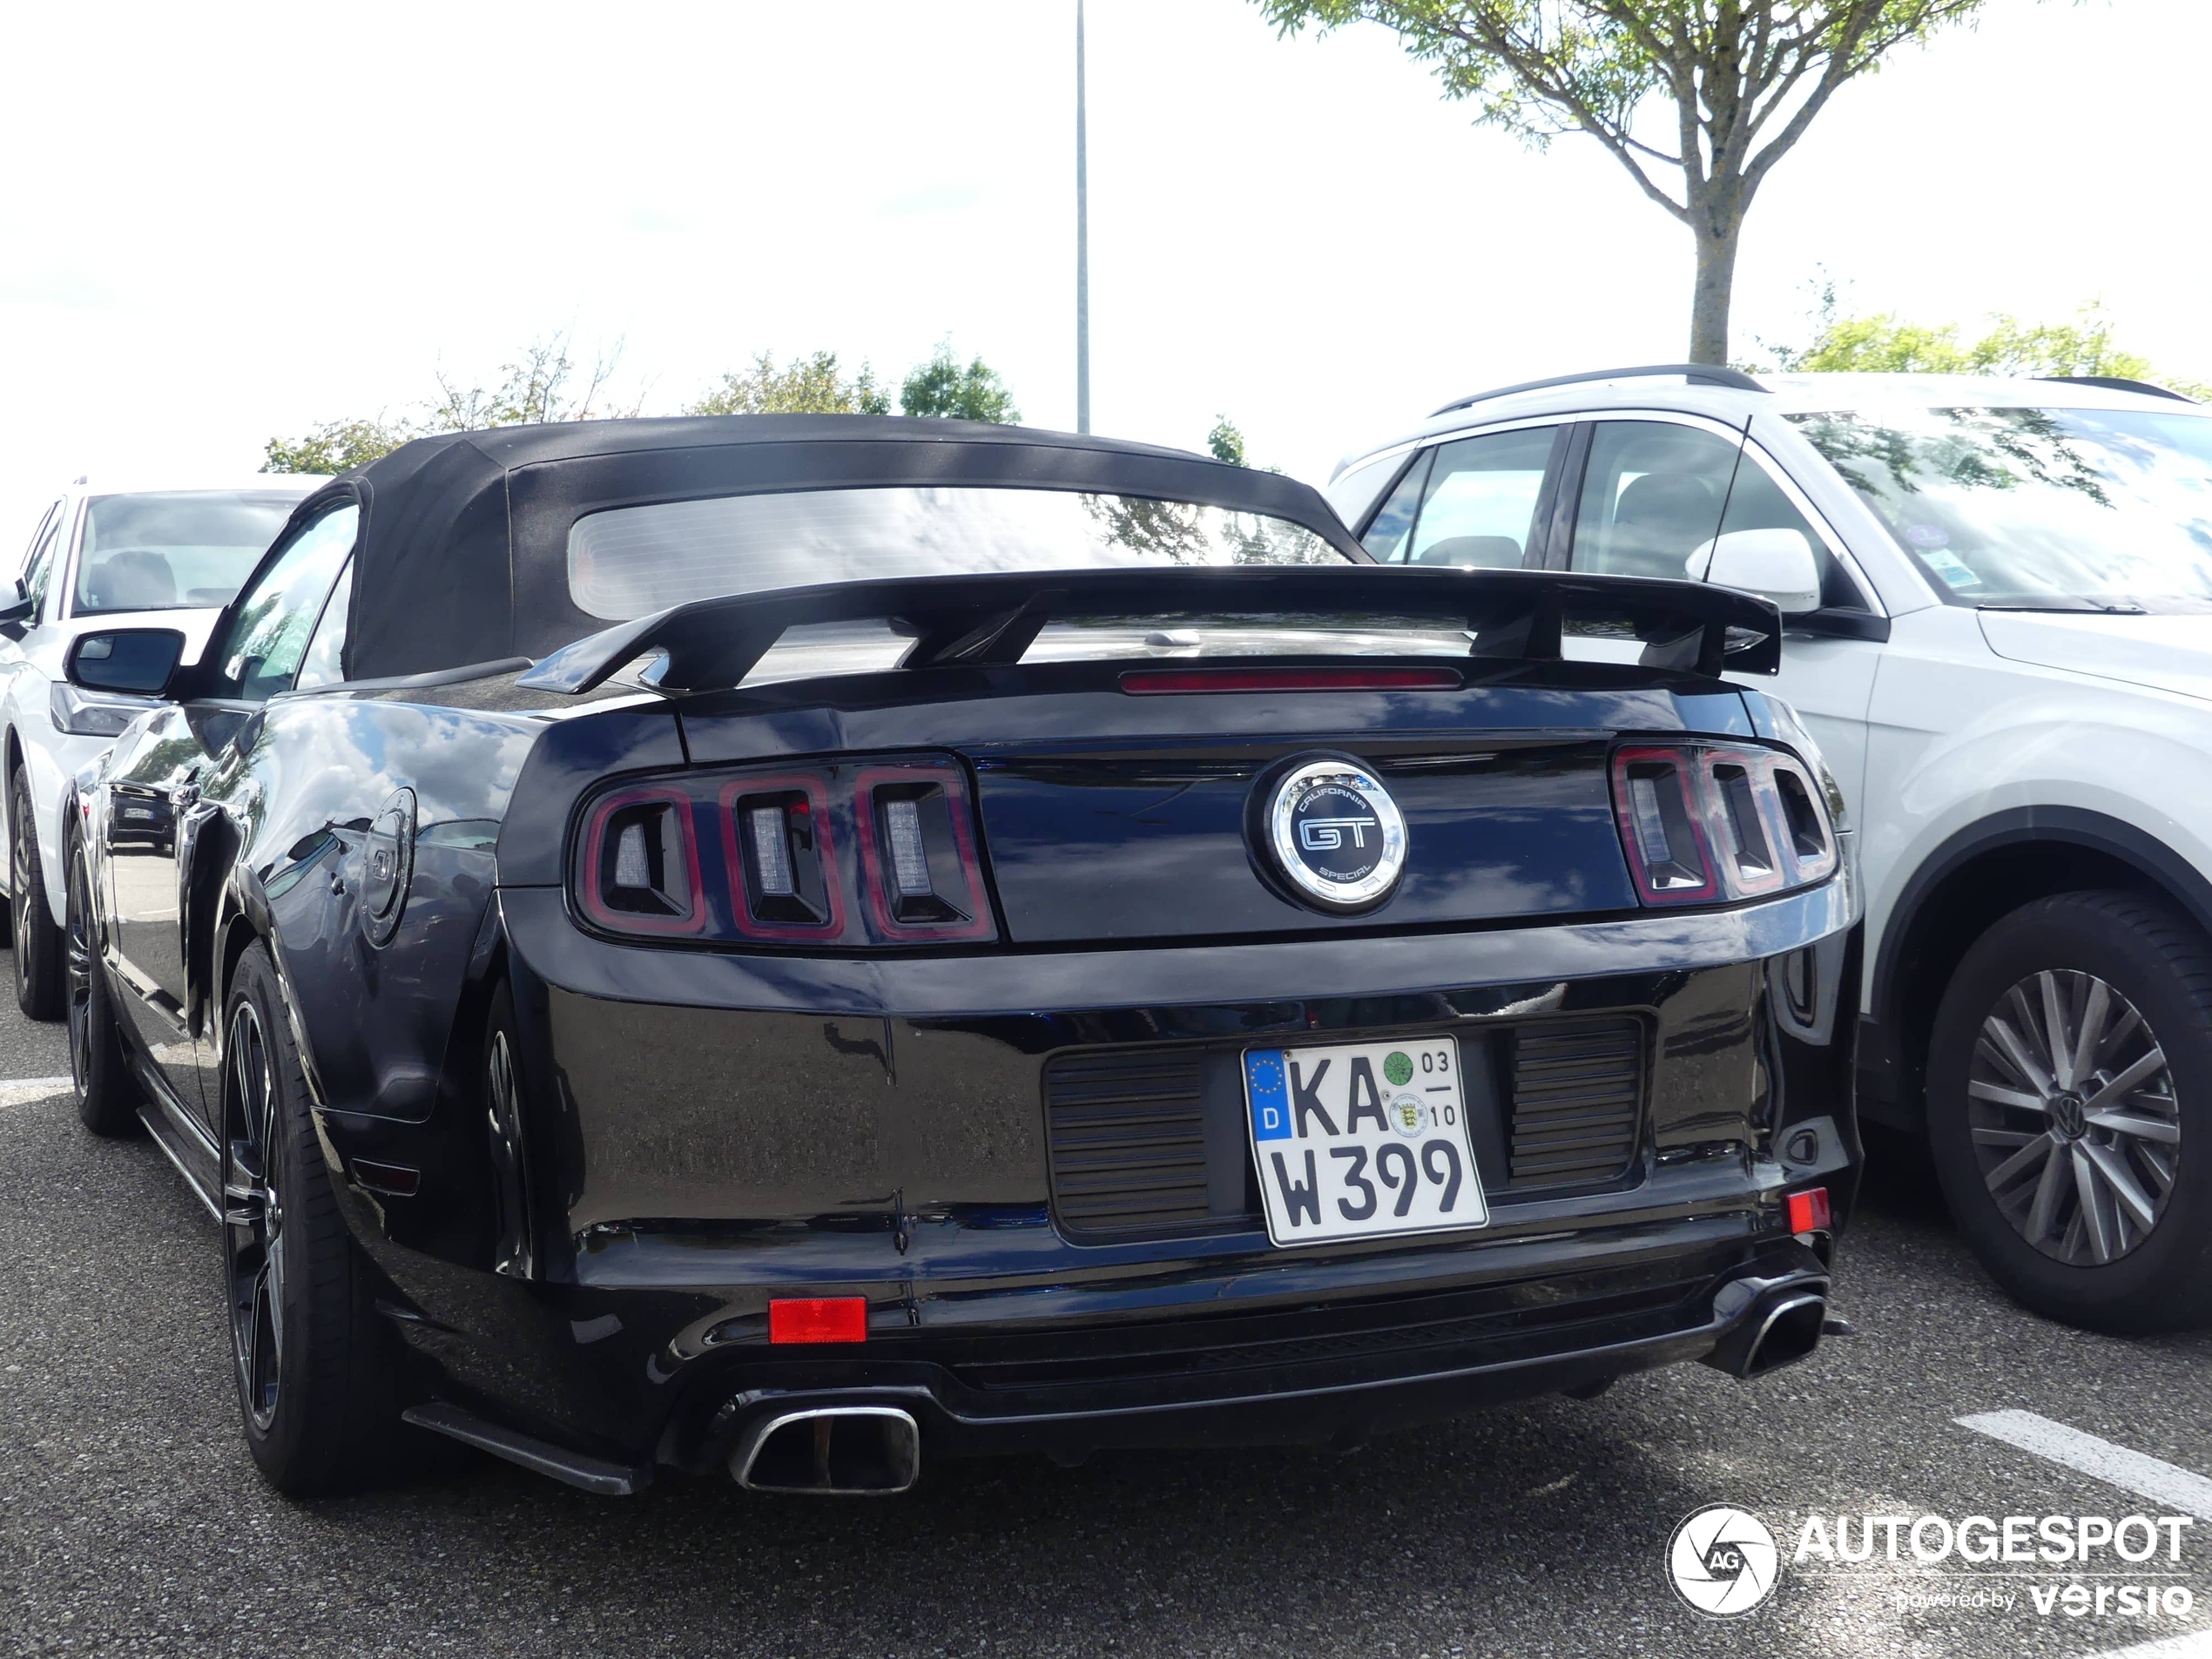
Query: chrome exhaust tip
[836,1451]
[1777,1323]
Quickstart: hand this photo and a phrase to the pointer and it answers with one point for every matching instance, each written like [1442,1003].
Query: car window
[629,562]
[1652,494]
[322,665]
[1386,537]
[175,549]
[2049,509]
[38,575]
[1353,491]
[268,634]
[1478,504]
[39,537]
[1757,503]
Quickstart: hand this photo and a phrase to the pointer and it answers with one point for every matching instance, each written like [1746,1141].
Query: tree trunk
[1714,286]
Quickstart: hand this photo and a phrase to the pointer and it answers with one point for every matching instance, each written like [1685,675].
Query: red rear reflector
[1809,1212]
[821,1318]
[1174,681]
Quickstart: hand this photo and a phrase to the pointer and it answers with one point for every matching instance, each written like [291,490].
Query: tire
[107,1094]
[314,1362]
[2086,1193]
[39,941]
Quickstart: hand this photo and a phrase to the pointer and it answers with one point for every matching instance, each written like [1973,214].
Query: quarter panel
[377,1020]
[1959,735]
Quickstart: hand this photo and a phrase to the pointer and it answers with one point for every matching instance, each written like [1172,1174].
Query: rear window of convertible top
[629,562]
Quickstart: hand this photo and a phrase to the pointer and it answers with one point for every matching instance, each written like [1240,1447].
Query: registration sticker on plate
[1362,1140]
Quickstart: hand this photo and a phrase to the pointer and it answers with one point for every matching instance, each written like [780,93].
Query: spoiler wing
[711,644]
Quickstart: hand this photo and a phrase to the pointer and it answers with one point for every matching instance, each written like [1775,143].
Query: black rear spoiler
[970,620]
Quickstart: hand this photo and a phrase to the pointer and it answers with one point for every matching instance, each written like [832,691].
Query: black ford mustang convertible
[790,944]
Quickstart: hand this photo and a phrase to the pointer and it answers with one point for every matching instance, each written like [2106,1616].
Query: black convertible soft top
[464,551]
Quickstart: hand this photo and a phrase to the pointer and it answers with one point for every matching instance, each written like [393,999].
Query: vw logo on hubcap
[1333,831]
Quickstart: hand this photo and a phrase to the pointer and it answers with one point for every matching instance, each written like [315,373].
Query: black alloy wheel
[311,1355]
[38,945]
[2070,1111]
[107,1096]
[253,1215]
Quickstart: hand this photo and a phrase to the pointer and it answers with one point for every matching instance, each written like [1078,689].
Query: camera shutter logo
[1723,1561]
[1336,834]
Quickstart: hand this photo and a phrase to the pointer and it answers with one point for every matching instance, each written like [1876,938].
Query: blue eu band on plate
[1363,1139]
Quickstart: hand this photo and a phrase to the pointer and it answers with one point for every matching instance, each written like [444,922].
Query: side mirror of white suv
[1774,565]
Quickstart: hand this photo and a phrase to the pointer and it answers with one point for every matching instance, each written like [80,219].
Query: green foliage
[1745,79]
[336,446]
[544,386]
[941,387]
[806,386]
[1886,344]
[1225,442]
[540,389]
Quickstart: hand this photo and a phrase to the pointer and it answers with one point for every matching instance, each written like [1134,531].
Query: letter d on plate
[1270,1095]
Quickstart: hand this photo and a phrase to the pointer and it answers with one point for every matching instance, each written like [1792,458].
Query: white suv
[103,555]
[2000,604]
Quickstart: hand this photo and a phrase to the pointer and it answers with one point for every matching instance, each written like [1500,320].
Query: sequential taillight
[1704,822]
[920,866]
[778,842]
[1655,791]
[817,1319]
[641,871]
[843,852]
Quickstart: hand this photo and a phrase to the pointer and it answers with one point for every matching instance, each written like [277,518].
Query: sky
[226,222]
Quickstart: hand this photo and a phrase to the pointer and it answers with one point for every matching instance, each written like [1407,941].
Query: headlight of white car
[95,714]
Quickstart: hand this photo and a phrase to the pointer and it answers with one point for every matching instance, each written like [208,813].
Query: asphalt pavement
[131,1519]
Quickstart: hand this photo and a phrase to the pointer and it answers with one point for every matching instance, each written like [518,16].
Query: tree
[542,387]
[539,390]
[809,386]
[1225,443]
[336,446]
[1745,78]
[1886,344]
[942,387]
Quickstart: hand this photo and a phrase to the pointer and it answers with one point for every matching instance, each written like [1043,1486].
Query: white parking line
[16,1091]
[2165,1482]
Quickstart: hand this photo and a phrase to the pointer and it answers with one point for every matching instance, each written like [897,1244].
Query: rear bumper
[754,1128]
[1339,1375]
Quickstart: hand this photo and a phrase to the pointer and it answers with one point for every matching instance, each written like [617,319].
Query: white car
[104,554]
[2000,604]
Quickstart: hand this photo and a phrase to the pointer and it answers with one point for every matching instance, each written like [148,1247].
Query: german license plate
[1363,1140]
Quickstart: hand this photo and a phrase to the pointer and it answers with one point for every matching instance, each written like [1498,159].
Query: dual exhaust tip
[1775,1322]
[875,1451]
[836,1451]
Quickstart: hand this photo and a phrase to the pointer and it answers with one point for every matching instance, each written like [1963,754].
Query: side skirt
[593,1474]
[185,1144]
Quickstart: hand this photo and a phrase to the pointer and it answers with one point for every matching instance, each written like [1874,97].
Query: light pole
[1083,240]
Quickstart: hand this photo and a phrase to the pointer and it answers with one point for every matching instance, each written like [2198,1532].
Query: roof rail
[1696,373]
[2115,383]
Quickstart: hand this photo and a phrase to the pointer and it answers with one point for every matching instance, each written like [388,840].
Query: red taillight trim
[815,788]
[1809,1212]
[594,838]
[817,1319]
[954,782]
[1684,760]
[1757,764]
[1183,682]
[1694,763]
